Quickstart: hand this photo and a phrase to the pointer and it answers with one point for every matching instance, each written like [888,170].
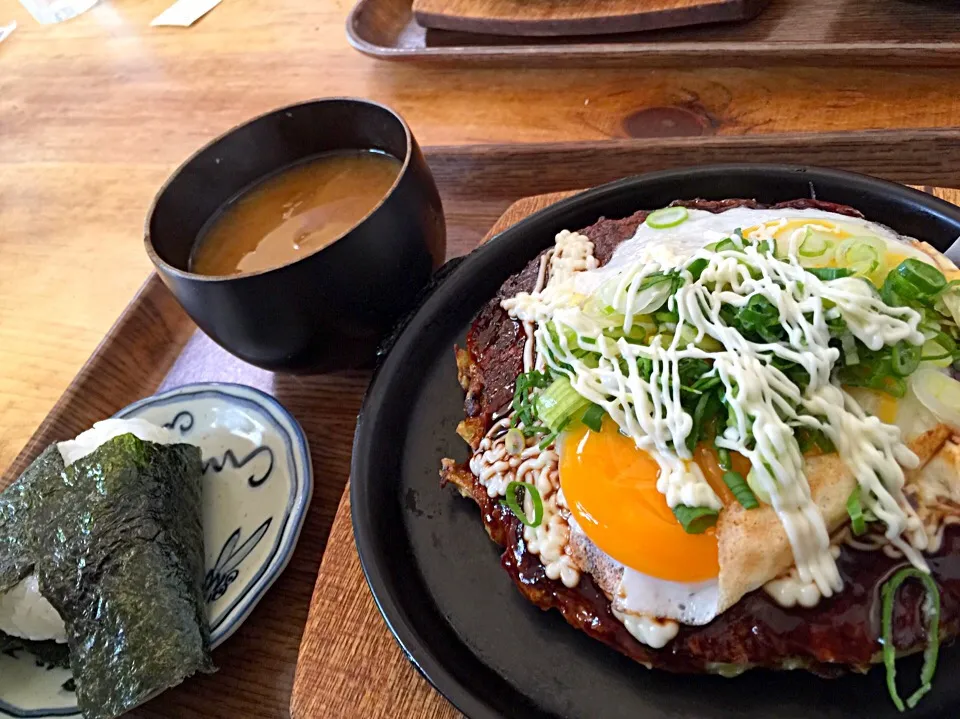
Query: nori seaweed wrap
[116,543]
[15,559]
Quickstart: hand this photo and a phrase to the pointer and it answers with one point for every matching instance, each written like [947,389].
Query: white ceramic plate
[257,488]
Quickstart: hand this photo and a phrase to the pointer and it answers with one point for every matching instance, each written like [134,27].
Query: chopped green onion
[707,406]
[850,354]
[824,442]
[759,316]
[946,341]
[652,296]
[707,382]
[514,441]
[727,244]
[935,352]
[695,520]
[593,417]
[855,510]
[893,386]
[863,259]
[636,335]
[723,459]
[559,403]
[915,279]
[697,267]
[932,612]
[829,273]
[667,217]
[741,490]
[905,359]
[515,488]
[548,440]
[814,244]
[763,247]
[523,400]
[753,481]
[889,295]
[860,254]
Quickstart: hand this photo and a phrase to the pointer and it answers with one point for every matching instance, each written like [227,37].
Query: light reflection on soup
[294,213]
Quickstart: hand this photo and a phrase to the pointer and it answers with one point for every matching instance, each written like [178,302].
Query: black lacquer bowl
[330,308]
[435,574]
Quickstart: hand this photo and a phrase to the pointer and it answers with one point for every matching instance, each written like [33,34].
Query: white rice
[105,430]
[26,614]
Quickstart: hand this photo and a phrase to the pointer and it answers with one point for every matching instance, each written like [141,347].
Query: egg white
[693,603]
[672,245]
[643,595]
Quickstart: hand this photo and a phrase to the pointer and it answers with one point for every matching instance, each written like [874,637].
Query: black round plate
[435,574]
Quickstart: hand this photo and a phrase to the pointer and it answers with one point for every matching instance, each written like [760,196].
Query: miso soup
[294,213]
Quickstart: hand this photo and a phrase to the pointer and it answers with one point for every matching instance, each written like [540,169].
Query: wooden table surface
[96,112]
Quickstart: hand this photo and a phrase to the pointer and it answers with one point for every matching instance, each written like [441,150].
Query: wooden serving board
[154,345]
[849,33]
[350,665]
[549,18]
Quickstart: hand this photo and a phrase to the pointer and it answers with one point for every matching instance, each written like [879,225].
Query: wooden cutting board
[349,664]
[552,18]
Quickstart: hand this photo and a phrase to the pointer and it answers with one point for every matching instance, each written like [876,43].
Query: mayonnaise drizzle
[495,468]
[528,325]
[571,254]
[652,631]
[763,401]
[789,590]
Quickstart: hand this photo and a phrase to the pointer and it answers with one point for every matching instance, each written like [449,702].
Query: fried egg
[610,488]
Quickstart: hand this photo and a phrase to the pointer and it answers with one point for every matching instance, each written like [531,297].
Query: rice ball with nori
[104,532]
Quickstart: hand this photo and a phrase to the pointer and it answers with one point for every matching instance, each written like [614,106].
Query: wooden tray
[346,643]
[805,32]
[552,18]
[155,345]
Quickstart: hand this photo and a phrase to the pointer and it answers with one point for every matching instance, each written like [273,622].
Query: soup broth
[294,213]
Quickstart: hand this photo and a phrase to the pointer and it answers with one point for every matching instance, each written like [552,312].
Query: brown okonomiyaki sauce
[840,633]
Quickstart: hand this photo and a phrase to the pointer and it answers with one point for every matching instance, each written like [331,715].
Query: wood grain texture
[74,189]
[557,17]
[96,112]
[809,32]
[154,345]
[346,642]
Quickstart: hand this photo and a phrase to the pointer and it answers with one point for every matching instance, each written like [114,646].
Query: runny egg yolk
[610,487]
